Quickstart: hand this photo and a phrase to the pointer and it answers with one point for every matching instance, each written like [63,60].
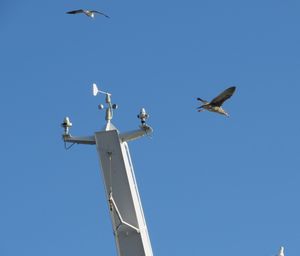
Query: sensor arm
[133,135]
[89,140]
[128,136]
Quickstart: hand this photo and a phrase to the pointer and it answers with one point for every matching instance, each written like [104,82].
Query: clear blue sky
[210,185]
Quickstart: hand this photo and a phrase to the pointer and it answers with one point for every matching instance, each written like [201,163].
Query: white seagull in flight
[90,13]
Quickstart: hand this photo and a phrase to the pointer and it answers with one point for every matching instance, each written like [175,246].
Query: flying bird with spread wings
[216,103]
[89,13]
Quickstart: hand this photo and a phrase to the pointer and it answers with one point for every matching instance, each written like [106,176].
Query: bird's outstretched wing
[203,101]
[75,11]
[101,13]
[219,100]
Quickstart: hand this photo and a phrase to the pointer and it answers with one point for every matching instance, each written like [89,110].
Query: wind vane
[110,106]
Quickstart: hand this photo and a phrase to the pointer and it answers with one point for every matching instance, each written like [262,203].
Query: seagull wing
[219,100]
[203,101]
[94,11]
[75,11]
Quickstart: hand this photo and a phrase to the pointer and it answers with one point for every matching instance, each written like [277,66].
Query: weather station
[124,203]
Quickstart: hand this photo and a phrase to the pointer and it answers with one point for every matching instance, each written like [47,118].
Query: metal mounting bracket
[113,205]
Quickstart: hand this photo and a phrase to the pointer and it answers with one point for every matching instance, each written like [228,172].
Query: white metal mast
[129,225]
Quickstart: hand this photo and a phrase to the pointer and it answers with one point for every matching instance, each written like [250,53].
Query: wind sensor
[110,108]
